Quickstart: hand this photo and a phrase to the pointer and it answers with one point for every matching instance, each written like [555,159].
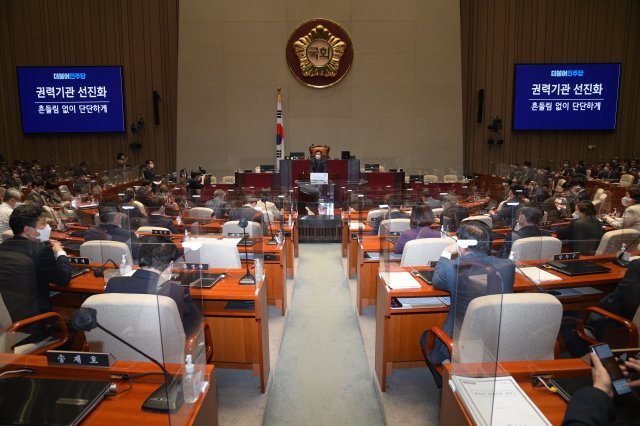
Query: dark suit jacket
[48,268]
[318,166]
[114,233]
[19,295]
[160,221]
[453,215]
[149,174]
[625,298]
[146,282]
[507,214]
[449,275]
[246,212]
[524,232]
[584,234]
[589,406]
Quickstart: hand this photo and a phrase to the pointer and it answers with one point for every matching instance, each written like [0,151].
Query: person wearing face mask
[318,165]
[35,196]
[247,211]
[527,226]
[455,276]
[580,168]
[10,200]
[31,238]
[149,172]
[584,232]
[527,172]
[631,217]
[567,170]
[156,216]
[111,228]
[154,277]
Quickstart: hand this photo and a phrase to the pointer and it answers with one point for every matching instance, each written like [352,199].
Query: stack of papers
[538,275]
[497,401]
[356,226]
[400,280]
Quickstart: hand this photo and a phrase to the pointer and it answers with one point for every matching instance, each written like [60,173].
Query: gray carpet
[322,376]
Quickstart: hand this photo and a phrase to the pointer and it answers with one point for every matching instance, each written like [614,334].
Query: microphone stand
[247,278]
[272,241]
[619,261]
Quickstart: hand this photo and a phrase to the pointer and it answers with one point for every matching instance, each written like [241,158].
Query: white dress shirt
[5,213]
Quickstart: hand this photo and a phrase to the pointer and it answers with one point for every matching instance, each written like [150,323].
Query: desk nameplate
[83,359]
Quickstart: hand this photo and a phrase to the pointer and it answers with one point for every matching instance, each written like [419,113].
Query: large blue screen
[71,99]
[566,96]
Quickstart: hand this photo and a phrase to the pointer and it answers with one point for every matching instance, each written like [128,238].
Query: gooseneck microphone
[272,241]
[621,262]
[247,278]
[167,398]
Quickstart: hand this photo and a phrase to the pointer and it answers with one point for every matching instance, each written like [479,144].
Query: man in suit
[580,168]
[507,214]
[459,278]
[218,204]
[35,195]
[427,199]
[318,164]
[247,211]
[154,277]
[149,172]
[156,216]
[394,202]
[527,226]
[31,238]
[585,230]
[623,301]
[452,214]
[110,228]
[631,217]
[10,199]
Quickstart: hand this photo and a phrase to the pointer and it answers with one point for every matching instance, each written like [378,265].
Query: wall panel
[139,35]
[496,34]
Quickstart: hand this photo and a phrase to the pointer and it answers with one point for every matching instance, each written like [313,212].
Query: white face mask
[318,156]
[45,233]
[625,201]
[575,215]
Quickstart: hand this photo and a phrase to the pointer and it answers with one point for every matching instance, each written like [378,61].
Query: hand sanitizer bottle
[125,268]
[179,220]
[190,388]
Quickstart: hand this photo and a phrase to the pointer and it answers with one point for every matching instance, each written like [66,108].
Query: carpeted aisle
[322,376]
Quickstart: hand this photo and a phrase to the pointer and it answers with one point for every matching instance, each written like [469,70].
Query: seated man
[111,228]
[31,238]
[156,262]
[218,204]
[247,211]
[427,199]
[459,278]
[156,216]
[585,230]
[452,215]
[394,202]
[527,226]
[10,199]
[507,214]
[624,301]
[318,164]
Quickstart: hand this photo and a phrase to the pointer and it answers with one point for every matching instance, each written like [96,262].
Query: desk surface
[125,408]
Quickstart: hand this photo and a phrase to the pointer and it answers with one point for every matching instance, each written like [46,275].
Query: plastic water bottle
[186,236]
[190,387]
[622,253]
[513,256]
[125,268]
[179,220]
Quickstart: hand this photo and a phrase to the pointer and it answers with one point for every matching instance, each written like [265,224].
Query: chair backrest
[589,173]
[430,178]
[140,206]
[596,195]
[612,241]
[419,252]
[215,253]
[395,226]
[5,318]
[509,327]
[201,212]
[99,251]
[450,178]
[231,228]
[150,322]
[626,180]
[372,214]
[150,229]
[636,318]
[65,193]
[536,248]
[481,218]
[228,180]
[213,180]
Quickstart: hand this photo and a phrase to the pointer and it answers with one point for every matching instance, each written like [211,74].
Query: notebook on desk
[426,276]
[581,267]
[50,402]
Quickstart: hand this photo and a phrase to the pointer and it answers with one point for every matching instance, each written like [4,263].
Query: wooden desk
[453,412]
[398,330]
[240,337]
[125,408]
[367,269]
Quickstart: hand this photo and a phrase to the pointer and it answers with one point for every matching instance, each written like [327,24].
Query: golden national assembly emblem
[319,53]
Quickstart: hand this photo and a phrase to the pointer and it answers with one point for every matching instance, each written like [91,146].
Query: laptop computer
[29,401]
[580,267]
[426,276]
[204,280]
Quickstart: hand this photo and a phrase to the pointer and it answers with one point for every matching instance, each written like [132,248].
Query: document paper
[400,280]
[498,401]
[538,275]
